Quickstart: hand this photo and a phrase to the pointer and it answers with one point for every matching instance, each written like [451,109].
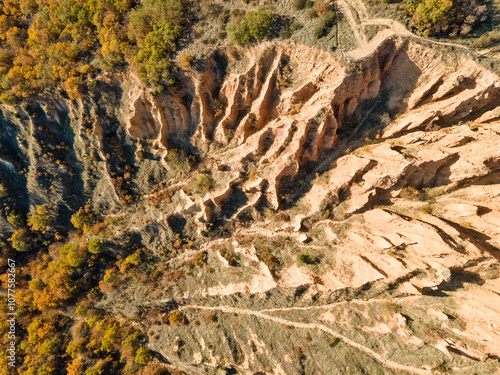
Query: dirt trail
[330,305]
[259,314]
[355,27]
[395,28]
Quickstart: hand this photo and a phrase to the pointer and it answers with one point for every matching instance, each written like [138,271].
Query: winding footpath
[386,362]
[394,29]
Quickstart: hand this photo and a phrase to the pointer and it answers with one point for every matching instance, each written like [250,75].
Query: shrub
[431,12]
[297,351]
[9,98]
[201,259]
[229,256]
[332,341]
[39,219]
[3,191]
[93,371]
[324,27]
[95,246]
[134,259]
[15,219]
[306,259]
[203,183]
[110,338]
[322,7]
[255,26]
[142,356]
[311,13]
[211,318]
[452,17]
[390,308]
[224,17]
[265,254]
[109,276]
[131,342]
[185,61]
[80,310]
[177,160]
[177,317]
[75,367]
[299,4]
[327,214]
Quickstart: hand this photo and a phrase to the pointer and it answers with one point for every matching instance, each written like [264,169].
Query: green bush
[306,259]
[255,26]
[134,259]
[332,341]
[95,246]
[203,183]
[93,371]
[142,356]
[132,341]
[177,161]
[110,338]
[80,310]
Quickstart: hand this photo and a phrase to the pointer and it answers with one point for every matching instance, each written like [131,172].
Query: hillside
[324,202]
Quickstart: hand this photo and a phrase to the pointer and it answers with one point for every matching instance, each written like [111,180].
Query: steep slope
[336,213]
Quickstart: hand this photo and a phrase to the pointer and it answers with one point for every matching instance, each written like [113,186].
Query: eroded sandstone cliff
[347,213]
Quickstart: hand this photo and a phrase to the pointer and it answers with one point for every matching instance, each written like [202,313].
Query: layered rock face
[362,202]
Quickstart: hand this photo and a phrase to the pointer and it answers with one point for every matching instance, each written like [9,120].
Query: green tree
[154,57]
[15,219]
[255,26]
[39,219]
[432,12]
[21,240]
[110,338]
[95,246]
[79,219]
[70,256]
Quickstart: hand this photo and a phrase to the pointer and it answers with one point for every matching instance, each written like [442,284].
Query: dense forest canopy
[46,43]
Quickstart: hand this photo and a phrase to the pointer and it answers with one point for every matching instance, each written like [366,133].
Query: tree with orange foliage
[75,367]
